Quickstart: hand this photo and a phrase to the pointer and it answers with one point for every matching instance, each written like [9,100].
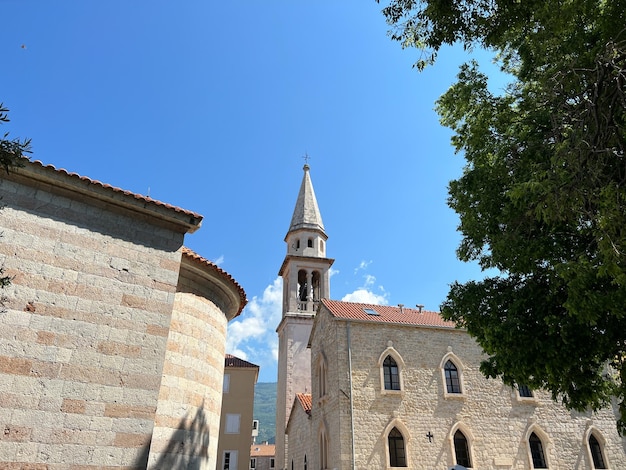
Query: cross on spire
[306,158]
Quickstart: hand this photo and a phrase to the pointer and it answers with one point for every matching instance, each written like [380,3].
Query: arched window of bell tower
[310,243]
[316,280]
[322,246]
[303,286]
[298,244]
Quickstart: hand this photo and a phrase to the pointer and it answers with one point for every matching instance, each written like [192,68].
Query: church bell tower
[306,280]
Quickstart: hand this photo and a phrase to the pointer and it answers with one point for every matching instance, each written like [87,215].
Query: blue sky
[211,106]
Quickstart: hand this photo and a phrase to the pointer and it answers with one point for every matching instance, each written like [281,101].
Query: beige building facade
[395,387]
[236,422]
[112,340]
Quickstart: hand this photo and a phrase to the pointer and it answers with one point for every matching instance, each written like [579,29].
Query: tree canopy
[542,198]
[11,150]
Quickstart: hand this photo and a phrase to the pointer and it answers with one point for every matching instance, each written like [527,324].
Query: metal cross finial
[306,158]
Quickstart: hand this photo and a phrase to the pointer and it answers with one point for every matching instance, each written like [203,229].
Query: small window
[226,383]
[461,450]
[370,311]
[524,391]
[596,452]
[232,423]
[323,450]
[305,465]
[272,462]
[310,243]
[453,383]
[397,452]
[298,244]
[536,451]
[230,460]
[253,462]
[292,465]
[321,370]
[391,374]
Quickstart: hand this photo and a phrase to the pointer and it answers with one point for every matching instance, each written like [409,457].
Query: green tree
[542,198]
[12,153]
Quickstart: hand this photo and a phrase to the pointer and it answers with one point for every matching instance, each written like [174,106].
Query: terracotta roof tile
[234,361]
[211,265]
[262,450]
[146,199]
[305,401]
[386,314]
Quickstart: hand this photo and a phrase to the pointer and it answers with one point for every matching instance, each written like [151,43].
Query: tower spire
[306,214]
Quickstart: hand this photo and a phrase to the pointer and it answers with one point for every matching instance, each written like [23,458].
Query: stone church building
[112,332]
[373,387]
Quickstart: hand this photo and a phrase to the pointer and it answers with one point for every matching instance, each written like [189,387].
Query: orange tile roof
[386,314]
[234,361]
[211,265]
[114,189]
[262,450]
[305,401]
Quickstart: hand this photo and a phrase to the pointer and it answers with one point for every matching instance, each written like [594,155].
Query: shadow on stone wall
[187,448]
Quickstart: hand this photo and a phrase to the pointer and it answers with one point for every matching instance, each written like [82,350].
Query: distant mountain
[265,411]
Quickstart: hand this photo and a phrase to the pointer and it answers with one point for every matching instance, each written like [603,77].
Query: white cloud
[362,265]
[365,294]
[362,295]
[252,335]
[219,261]
[332,272]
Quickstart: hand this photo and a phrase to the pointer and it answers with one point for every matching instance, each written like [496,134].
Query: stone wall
[300,432]
[86,328]
[495,421]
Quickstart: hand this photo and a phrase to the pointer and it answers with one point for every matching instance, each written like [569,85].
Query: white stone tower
[306,280]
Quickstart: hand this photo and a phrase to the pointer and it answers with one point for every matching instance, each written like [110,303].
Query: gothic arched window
[461,450]
[323,450]
[391,374]
[303,286]
[596,452]
[453,382]
[397,451]
[536,451]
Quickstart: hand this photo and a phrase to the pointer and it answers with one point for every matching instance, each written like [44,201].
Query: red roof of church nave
[385,314]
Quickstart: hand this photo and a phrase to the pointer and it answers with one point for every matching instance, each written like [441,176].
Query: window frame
[460,376]
[535,445]
[519,397]
[391,352]
[466,456]
[406,436]
[601,445]
[462,428]
[232,460]
[323,449]
[322,379]
[230,425]
[395,460]
[391,374]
